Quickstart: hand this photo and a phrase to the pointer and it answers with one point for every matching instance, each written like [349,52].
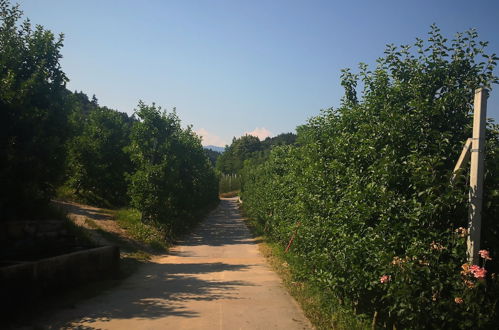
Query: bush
[368,191]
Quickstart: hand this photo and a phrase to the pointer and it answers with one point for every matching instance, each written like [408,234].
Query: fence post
[476,174]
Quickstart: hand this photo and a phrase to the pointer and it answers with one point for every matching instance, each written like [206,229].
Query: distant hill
[215,148]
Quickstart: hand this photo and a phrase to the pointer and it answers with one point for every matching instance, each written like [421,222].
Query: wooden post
[476,174]
[463,159]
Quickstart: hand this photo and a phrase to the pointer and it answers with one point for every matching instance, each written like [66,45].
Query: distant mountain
[215,148]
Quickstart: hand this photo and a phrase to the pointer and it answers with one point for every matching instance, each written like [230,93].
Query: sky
[236,67]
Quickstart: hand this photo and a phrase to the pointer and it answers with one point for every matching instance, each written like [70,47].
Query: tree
[212,155]
[369,184]
[151,186]
[232,160]
[249,147]
[97,161]
[33,116]
[172,175]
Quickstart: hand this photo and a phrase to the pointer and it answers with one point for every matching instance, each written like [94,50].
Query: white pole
[476,174]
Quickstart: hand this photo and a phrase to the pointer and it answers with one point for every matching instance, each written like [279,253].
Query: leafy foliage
[33,117]
[367,189]
[231,161]
[212,155]
[249,147]
[97,161]
[173,176]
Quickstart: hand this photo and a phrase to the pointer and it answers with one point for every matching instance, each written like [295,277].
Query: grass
[130,220]
[127,218]
[322,309]
[82,236]
[65,193]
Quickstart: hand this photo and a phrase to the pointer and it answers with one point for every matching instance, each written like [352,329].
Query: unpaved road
[91,217]
[215,279]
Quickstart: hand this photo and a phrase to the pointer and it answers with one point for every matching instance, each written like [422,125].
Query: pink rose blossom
[478,271]
[485,254]
[385,278]
[474,268]
[481,273]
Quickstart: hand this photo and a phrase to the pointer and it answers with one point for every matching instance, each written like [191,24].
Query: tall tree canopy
[33,116]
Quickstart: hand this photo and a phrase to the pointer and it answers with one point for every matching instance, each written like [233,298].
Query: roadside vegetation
[129,219]
[319,308]
[229,185]
[364,201]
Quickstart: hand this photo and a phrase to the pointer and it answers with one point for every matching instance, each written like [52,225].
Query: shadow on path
[224,227]
[162,289]
[165,288]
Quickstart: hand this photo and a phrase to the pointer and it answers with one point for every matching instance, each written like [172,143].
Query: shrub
[368,191]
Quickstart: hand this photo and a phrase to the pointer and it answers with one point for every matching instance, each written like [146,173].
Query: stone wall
[25,282]
[29,240]
[20,230]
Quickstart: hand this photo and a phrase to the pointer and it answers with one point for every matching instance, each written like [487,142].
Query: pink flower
[474,268]
[481,273]
[478,271]
[485,254]
[458,300]
[385,278]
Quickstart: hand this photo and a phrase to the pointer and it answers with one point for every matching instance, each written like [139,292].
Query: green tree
[33,116]
[173,175]
[232,160]
[369,184]
[197,184]
[212,155]
[249,147]
[97,161]
[151,186]
[279,140]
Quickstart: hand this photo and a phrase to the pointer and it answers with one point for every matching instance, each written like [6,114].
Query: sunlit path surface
[215,279]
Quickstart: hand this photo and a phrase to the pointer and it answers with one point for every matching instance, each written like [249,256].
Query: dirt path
[215,279]
[93,219]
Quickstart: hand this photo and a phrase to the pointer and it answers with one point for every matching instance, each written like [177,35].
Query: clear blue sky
[232,66]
